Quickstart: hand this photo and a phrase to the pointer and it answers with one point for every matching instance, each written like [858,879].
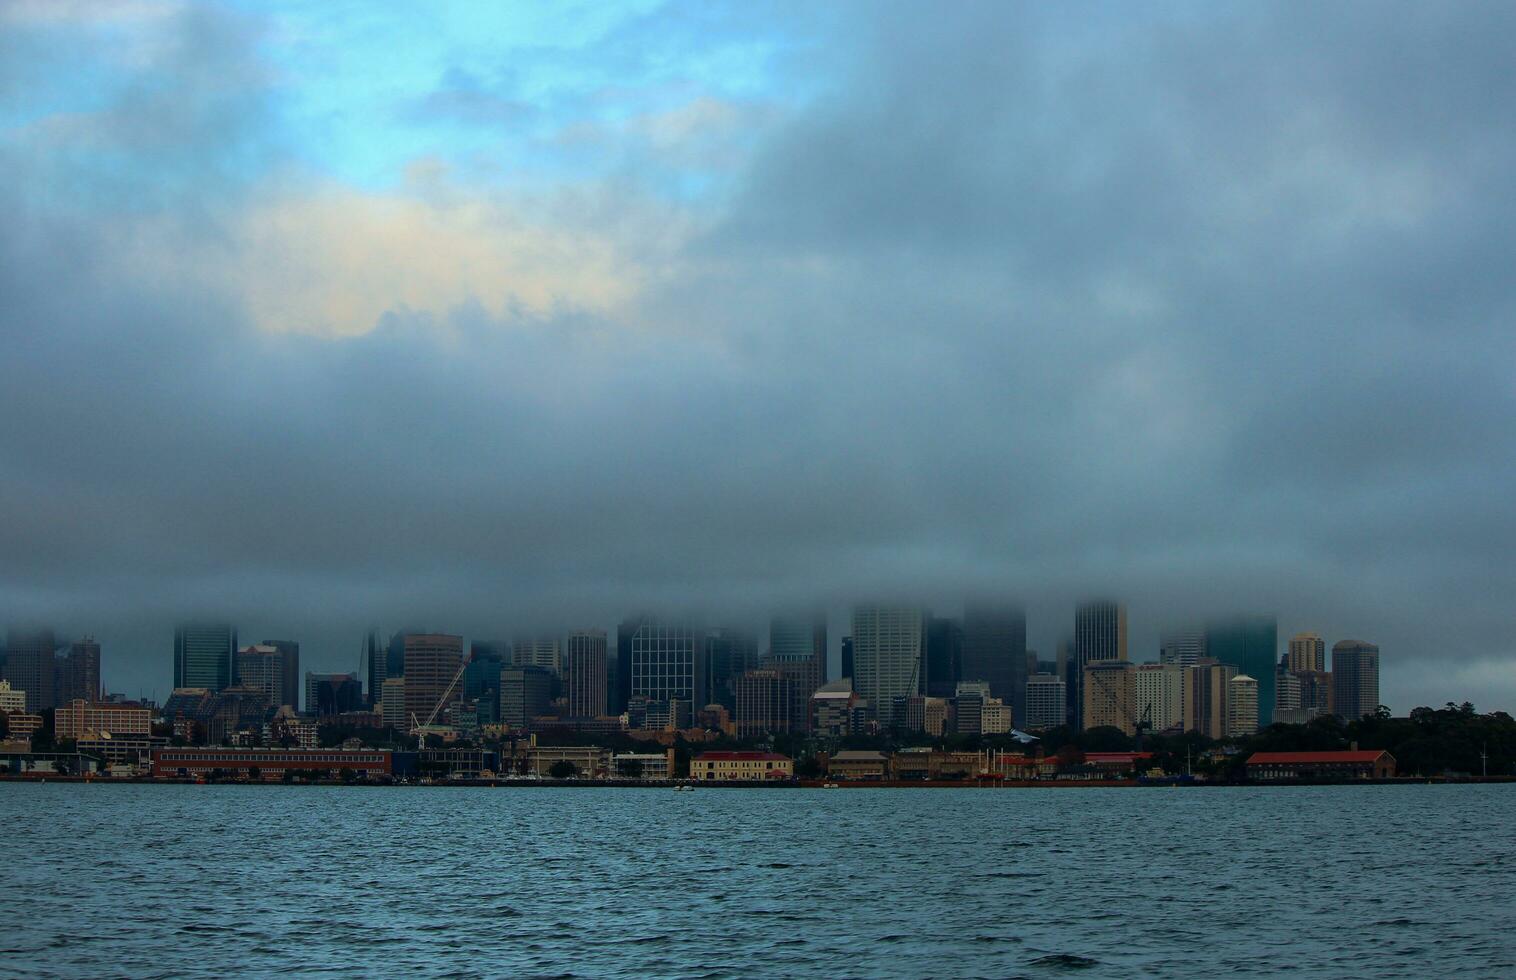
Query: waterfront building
[708,766]
[29,666]
[79,716]
[1352,764]
[1182,646]
[268,764]
[392,703]
[78,673]
[1046,702]
[1307,651]
[764,703]
[1099,635]
[1251,644]
[887,648]
[205,656]
[994,650]
[119,750]
[1159,695]
[1110,695]
[332,694]
[584,673]
[643,765]
[858,764]
[525,693]
[663,660]
[1242,706]
[1355,679]
[1206,689]
[431,668]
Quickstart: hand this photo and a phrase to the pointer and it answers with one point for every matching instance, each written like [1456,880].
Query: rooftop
[1286,758]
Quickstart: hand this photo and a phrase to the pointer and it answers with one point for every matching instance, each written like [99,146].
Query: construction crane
[422,730]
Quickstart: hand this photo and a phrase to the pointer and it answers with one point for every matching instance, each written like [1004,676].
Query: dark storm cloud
[1207,309]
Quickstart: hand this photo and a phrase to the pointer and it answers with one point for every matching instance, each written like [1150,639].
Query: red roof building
[1350,764]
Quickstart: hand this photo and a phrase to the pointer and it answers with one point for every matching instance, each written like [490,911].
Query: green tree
[630,768]
[563,769]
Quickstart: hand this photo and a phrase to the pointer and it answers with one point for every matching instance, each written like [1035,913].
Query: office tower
[584,673]
[1206,690]
[1286,691]
[797,651]
[261,667]
[78,673]
[431,672]
[765,703]
[392,703]
[1251,644]
[1242,706]
[621,692]
[1182,646]
[1159,693]
[1307,651]
[1355,679]
[376,665]
[664,663]
[481,679]
[29,666]
[969,698]
[525,693]
[725,655]
[332,694]
[541,651]
[1109,695]
[1315,691]
[847,658]
[204,656]
[887,648]
[943,663]
[1046,702]
[394,653]
[994,650]
[289,654]
[1099,634]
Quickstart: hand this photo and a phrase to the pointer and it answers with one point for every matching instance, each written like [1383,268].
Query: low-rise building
[12,701]
[741,765]
[267,764]
[589,761]
[1351,764]
[80,716]
[854,764]
[134,750]
[643,765]
[23,725]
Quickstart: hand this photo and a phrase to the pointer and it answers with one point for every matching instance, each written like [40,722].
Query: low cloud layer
[1210,310]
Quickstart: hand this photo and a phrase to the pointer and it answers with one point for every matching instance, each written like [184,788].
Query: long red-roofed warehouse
[1347,764]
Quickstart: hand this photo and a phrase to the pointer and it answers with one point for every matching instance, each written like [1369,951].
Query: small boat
[684,788]
[829,786]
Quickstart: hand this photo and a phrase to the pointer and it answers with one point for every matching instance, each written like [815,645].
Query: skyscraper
[1099,634]
[204,656]
[1307,651]
[663,662]
[1206,697]
[79,673]
[332,694]
[797,650]
[887,648]
[994,650]
[481,679]
[1355,679]
[1046,702]
[1242,706]
[525,693]
[1160,695]
[289,658]
[261,667]
[30,667]
[944,657]
[538,651]
[847,657]
[377,666]
[765,703]
[1110,695]
[1182,646]
[1251,644]
[431,662]
[584,673]
[725,655]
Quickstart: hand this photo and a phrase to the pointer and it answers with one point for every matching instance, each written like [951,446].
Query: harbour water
[140,880]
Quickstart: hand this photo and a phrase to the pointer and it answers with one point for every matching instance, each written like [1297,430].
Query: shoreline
[862,784]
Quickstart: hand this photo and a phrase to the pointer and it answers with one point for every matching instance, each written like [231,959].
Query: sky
[494,318]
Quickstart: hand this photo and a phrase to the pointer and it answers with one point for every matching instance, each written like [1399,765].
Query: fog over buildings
[744,310]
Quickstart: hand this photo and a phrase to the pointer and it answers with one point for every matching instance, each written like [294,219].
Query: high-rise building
[1242,706]
[205,656]
[663,662]
[392,703]
[1160,695]
[943,666]
[1355,679]
[541,651]
[261,667]
[765,703]
[1182,646]
[969,699]
[1307,651]
[1206,691]
[797,651]
[584,673]
[621,688]
[1099,634]
[29,666]
[725,655]
[1315,690]
[1109,694]
[376,664]
[332,694]
[1251,644]
[289,655]
[431,665]
[847,657]
[994,650]
[525,693]
[1286,691]
[78,673]
[481,679]
[887,647]
[1046,702]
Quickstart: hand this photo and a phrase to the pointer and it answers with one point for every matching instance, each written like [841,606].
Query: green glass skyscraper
[1251,644]
[203,656]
